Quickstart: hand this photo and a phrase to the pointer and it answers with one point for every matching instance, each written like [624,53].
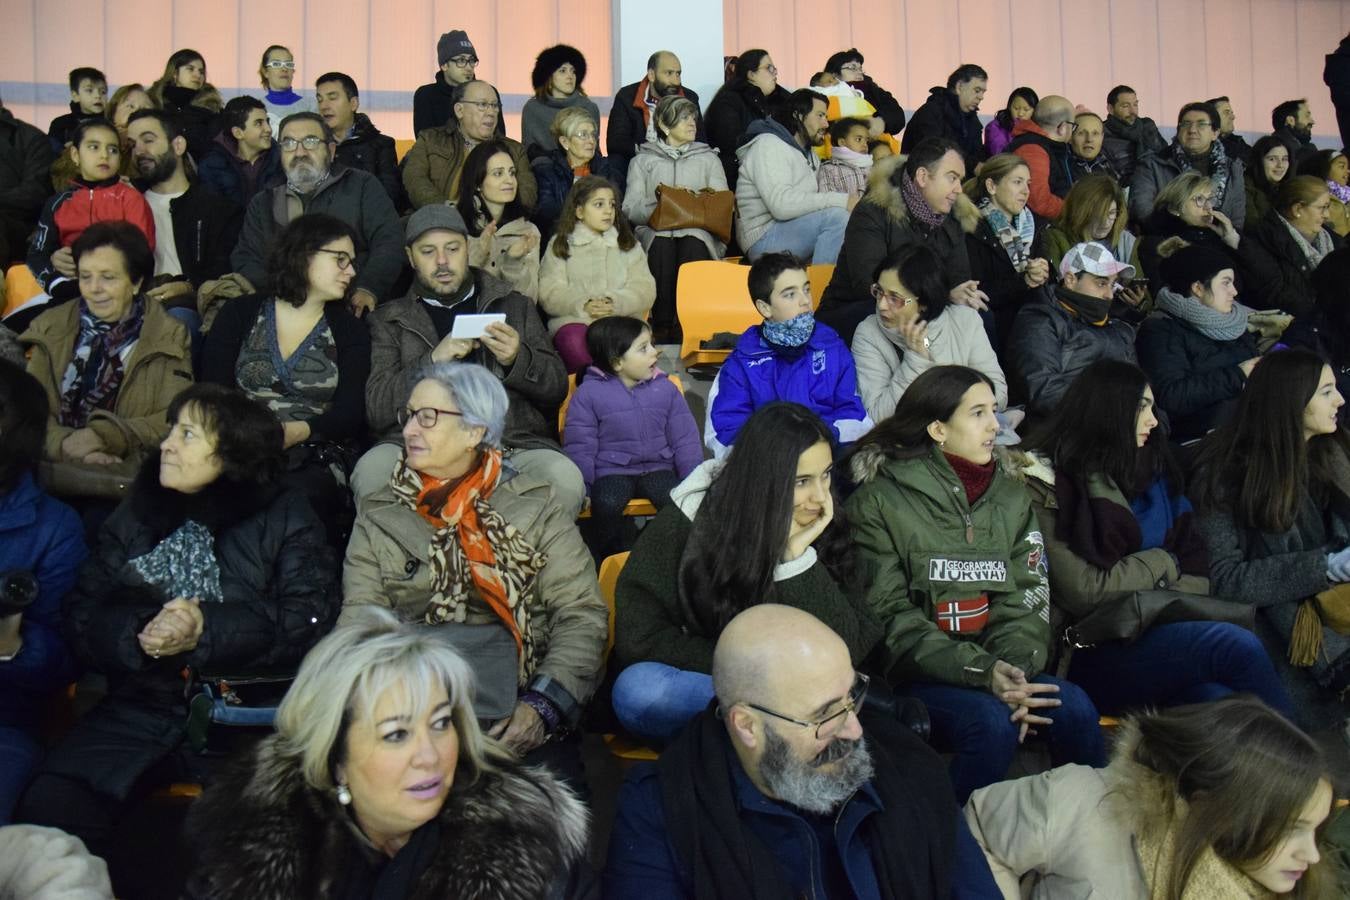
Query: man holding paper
[457,312]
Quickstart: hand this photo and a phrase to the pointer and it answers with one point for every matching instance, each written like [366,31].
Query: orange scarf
[496,557]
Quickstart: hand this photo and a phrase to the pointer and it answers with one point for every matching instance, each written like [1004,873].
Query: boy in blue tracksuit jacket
[790,357]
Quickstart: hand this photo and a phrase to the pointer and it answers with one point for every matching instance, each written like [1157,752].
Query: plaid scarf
[94,375]
[918,207]
[1014,234]
[1315,249]
[1218,167]
[475,553]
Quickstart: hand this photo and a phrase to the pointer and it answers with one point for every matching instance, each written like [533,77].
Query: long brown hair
[933,397]
[1245,773]
[577,198]
[1258,465]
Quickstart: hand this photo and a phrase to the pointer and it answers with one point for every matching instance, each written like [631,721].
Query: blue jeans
[974,725]
[653,701]
[1176,663]
[815,237]
[19,753]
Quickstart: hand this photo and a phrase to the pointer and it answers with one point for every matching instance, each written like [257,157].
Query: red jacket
[1046,176]
[66,216]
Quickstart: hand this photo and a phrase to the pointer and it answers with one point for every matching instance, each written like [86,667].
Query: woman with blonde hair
[1220,800]
[379,783]
[1003,240]
[1296,237]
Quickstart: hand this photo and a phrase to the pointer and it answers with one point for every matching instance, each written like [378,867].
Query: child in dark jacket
[628,428]
[96,194]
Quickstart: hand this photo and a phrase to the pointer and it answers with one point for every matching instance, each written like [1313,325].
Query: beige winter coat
[1072,834]
[490,254]
[595,268]
[388,564]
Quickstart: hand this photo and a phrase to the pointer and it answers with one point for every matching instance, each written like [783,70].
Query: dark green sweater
[648,624]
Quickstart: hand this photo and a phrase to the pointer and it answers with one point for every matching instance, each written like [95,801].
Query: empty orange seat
[712,296]
[20,287]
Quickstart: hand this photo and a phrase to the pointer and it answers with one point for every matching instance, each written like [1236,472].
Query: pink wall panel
[878,30]
[1182,53]
[1228,41]
[1274,41]
[991,45]
[932,46]
[330,45]
[127,61]
[1318,31]
[1038,57]
[1088,49]
[585,25]
[58,44]
[210,30]
[1133,52]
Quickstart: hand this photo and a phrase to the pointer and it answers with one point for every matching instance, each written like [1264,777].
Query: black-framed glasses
[344,259]
[463,61]
[427,416]
[309,142]
[831,725]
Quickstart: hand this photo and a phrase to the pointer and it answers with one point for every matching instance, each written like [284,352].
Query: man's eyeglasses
[463,61]
[1195,125]
[344,259]
[311,142]
[427,416]
[483,105]
[895,299]
[1073,126]
[833,723]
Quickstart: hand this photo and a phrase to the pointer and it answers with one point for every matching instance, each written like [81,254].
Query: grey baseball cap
[429,218]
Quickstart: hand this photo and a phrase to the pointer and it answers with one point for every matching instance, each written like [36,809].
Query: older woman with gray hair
[486,558]
[675,159]
[379,783]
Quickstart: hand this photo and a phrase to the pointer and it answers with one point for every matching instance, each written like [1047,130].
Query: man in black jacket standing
[632,120]
[952,113]
[195,227]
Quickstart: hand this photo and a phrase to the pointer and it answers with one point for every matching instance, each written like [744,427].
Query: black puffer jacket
[278,579]
[370,150]
[878,226]
[730,113]
[1052,343]
[1196,379]
[1290,286]
[941,116]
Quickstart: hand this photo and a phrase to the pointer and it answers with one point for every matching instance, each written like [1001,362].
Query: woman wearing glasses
[761,527]
[277,72]
[1185,209]
[575,154]
[303,353]
[914,329]
[749,95]
[958,579]
[461,542]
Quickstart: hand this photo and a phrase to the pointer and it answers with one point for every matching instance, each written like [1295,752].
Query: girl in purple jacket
[628,429]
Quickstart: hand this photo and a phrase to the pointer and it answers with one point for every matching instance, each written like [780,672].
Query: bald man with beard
[774,791]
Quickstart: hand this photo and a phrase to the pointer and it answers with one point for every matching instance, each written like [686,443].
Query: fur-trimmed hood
[261,833]
[867,461]
[883,190]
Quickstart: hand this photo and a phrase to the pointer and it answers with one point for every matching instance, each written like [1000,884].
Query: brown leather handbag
[678,207]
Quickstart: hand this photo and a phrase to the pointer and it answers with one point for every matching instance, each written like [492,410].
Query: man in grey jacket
[315,184]
[780,207]
[418,328]
[1197,146]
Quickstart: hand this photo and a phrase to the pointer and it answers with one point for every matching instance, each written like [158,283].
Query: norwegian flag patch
[963,616]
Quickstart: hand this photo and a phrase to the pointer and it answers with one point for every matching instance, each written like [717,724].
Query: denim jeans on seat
[975,726]
[815,237]
[1176,663]
[653,701]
